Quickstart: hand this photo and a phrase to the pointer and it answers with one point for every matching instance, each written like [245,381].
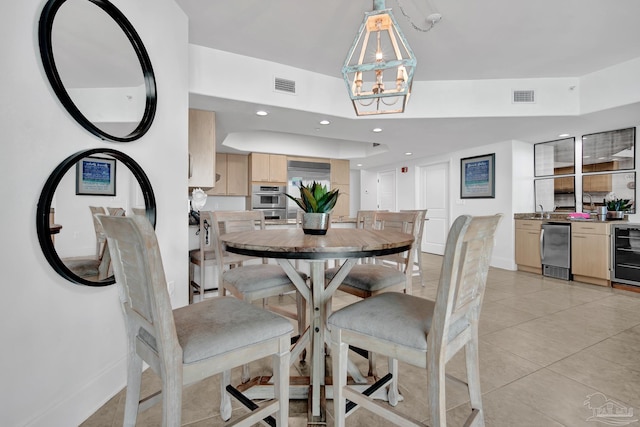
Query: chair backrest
[139,211]
[100,237]
[116,211]
[229,222]
[364,218]
[463,278]
[404,222]
[142,287]
[419,230]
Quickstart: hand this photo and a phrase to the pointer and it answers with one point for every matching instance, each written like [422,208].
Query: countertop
[563,217]
[339,220]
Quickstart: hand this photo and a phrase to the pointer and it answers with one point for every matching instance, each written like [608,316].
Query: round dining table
[346,244]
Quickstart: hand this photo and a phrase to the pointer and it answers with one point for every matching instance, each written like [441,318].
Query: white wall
[63,351]
[503,254]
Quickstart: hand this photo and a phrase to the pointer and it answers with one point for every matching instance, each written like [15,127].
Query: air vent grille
[523,97]
[284,85]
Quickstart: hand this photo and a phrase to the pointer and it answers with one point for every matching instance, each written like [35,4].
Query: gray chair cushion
[394,317]
[251,278]
[370,277]
[218,325]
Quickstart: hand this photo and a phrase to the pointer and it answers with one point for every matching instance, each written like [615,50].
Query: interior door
[433,195]
[387,190]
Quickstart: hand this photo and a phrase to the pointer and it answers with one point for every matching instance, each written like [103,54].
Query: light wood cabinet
[268,167]
[234,175]
[202,148]
[339,171]
[590,252]
[528,245]
[342,206]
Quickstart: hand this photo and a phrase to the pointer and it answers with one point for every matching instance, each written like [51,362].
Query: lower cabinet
[528,245]
[590,252]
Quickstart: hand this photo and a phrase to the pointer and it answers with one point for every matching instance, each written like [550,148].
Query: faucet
[591,206]
[541,211]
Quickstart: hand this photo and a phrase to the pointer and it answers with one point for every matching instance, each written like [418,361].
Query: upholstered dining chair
[204,257]
[419,331]
[251,282]
[190,343]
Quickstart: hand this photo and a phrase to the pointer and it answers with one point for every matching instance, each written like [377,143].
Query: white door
[387,190]
[433,195]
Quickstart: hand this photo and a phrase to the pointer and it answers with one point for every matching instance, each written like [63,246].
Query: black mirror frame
[46,52]
[46,197]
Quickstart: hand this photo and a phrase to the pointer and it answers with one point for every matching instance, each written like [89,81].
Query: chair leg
[134,379]
[393,395]
[339,362]
[436,386]
[172,397]
[301,309]
[473,378]
[372,364]
[192,268]
[225,399]
[281,382]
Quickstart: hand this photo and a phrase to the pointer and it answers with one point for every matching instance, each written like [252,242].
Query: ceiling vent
[523,97]
[284,86]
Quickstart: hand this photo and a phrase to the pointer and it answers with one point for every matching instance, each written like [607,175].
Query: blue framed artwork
[96,176]
[477,177]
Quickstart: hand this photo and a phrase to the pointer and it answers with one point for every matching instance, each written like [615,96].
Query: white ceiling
[491,39]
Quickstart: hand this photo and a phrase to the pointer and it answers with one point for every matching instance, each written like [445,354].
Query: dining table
[348,245]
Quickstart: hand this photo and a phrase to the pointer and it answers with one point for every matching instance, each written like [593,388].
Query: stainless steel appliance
[555,250]
[270,199]
[304,172]
[625,254]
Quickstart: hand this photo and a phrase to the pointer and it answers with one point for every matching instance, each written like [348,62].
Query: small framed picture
[477,177]
[96,176]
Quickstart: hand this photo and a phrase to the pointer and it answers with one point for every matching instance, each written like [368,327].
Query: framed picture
[477,177]
[96,176]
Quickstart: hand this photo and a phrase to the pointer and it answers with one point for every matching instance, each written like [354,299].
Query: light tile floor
[546,346]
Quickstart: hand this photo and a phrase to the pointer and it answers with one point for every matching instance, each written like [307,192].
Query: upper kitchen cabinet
[339,171]
[268,168]
[233,170]
[609,151]
[202,148]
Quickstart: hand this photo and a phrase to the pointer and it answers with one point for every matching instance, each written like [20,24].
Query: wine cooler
[625,256]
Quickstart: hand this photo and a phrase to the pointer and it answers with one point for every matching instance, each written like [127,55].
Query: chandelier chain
[415,27]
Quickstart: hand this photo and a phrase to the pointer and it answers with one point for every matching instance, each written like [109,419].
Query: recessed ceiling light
[408,153]
[359,164]
[324,122]
[563,135]
[377,130]
[261,113]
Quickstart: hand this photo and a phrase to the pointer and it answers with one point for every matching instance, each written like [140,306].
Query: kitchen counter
[562,217]
[339,220]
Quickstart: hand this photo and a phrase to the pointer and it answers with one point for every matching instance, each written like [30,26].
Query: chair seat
[370,277]
[220,325]
[251,278]
[394,317]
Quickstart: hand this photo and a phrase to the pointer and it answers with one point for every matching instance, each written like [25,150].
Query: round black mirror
[98,67]
[94,178]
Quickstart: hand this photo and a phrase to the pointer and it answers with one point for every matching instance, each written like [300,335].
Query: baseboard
[75,408]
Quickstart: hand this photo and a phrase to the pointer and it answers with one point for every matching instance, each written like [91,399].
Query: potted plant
[616,207]
[316,201]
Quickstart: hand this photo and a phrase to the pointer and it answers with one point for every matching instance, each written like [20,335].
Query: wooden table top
[337,243]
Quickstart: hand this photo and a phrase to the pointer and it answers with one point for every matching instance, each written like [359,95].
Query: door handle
[541,244]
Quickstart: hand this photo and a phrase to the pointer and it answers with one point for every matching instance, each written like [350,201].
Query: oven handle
[541,244]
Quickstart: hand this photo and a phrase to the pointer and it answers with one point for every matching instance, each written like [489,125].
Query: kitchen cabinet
[340,180]
[528,245]
[233,170]
[202,146]
[563,184]
[590,252]
[268,168]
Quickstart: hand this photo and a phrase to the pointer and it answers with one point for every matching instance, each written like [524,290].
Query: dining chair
[139,211]
[190,343]
[204,258]
[417,256]
[421,332]
[101,239]
[364,218]
[371,278]
[116,211]
[251,282]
